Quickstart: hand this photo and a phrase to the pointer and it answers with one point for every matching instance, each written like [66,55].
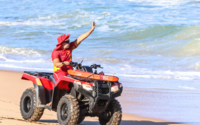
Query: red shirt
[63,55]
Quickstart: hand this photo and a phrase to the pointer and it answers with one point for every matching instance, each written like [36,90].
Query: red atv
[82,93]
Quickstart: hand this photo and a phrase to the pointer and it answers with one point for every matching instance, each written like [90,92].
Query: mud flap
[40,94]
[56,96]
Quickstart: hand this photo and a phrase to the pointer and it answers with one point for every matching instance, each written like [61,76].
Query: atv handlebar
[95,66]
[74,64]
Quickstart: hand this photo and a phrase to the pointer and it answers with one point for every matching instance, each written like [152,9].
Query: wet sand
[12,88]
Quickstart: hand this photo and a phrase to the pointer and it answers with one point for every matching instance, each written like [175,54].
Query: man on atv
[62,54]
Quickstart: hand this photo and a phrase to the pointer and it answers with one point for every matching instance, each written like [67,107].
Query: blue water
[147,44]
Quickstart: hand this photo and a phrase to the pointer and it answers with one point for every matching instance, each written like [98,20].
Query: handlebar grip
[73,64]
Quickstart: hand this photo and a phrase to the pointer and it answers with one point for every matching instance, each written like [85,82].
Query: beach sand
[12,87]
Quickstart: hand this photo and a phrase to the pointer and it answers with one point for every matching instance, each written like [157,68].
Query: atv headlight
[87,87]
[114,88]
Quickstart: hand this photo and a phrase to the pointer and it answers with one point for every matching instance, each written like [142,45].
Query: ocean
[148,44]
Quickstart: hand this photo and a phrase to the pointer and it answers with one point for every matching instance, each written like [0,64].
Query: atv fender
[29,77]
[63,85]
[43,88]
[40,81]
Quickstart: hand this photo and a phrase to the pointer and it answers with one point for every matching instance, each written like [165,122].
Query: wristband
[63,63]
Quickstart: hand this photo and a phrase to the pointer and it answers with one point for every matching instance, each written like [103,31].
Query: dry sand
[11,89]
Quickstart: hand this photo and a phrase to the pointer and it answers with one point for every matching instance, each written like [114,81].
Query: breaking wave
[21,51]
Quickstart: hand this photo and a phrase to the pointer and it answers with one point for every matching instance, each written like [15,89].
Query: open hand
[93,25]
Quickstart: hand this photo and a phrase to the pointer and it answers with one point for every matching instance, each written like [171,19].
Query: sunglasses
[67,41]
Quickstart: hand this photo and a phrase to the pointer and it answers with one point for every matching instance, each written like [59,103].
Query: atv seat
[51,78]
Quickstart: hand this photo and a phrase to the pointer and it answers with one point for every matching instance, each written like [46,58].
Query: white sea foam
[103,28]
[22,61]
[134,72]
[31,23]
[186,87]
[19,51]
[105,13]
[161,2]
[157,76]
[10,66]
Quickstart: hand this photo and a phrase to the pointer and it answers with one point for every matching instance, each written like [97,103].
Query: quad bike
[82,93]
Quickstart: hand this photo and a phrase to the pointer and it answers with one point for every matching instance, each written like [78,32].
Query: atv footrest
[44,106]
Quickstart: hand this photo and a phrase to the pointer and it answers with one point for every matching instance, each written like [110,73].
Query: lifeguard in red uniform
[62,54]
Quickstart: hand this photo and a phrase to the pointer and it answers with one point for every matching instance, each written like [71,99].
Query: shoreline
[10,92]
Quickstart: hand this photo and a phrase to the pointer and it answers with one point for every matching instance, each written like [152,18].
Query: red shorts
[57,75]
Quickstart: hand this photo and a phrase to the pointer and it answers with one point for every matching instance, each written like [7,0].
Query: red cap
[61,39]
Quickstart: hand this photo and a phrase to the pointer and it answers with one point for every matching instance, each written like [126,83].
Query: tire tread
[38,112]
[75,111]
[117,114]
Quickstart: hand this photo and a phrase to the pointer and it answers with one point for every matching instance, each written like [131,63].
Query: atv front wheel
[28,108]
[81,118]
[68,110]
[112,115]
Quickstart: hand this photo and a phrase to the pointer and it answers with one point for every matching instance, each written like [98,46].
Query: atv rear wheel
[68,110]
[28,108]
[112,115]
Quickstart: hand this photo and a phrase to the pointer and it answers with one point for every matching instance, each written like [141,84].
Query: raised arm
[85,35]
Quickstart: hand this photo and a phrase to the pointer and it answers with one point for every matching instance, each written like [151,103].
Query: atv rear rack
[42,74]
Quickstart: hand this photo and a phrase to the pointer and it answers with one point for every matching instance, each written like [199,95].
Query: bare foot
[48,104]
